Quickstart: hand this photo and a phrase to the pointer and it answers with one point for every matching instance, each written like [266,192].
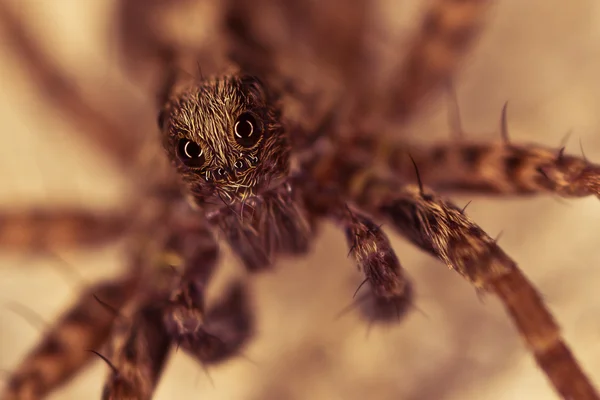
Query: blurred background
[543,56]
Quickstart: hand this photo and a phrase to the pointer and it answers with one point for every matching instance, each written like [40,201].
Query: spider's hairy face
[225,138]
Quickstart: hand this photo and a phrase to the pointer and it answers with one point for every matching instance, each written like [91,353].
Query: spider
[225,167]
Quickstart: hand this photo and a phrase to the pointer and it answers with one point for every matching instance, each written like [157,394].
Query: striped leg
[65,348]
[388,291]
[209,336]
[139,353]
[495,168]
[115,140]
[43,230]
[442,229]
[447,32]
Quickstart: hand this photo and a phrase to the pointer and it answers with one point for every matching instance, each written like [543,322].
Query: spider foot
[372,252]
[378,309]
[228,327]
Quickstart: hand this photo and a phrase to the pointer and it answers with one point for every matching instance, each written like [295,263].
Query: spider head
[225,138]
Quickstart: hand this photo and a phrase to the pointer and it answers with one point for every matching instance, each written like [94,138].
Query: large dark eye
[190,153]
[247,131]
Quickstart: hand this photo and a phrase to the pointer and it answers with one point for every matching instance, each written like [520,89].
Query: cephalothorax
[227,156]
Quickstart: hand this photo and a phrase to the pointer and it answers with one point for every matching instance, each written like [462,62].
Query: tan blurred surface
[542,56]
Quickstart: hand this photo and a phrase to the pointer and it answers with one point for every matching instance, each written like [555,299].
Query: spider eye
[190,153]
[247,131]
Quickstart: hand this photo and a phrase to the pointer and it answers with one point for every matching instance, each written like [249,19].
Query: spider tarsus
[232,321]
[223,331]
[374,256]
[379,309]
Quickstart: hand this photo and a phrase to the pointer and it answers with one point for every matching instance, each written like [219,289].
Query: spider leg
[389,291]
[65,348]
[139,353]
[41,230]
[448,31]
[117,141]
[152,321]
[224,330]
[195,255]
[208,336]
[443,230]
[488,168]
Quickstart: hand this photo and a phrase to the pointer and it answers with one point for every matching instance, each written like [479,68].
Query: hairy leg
[65,347]
[231,320]
[483,168]
[447,32]
[116,140]
[209,336]
[442,229]
[173,266]
[42,230]
[194,257]
[139,351]
[216,335]
[388,291]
